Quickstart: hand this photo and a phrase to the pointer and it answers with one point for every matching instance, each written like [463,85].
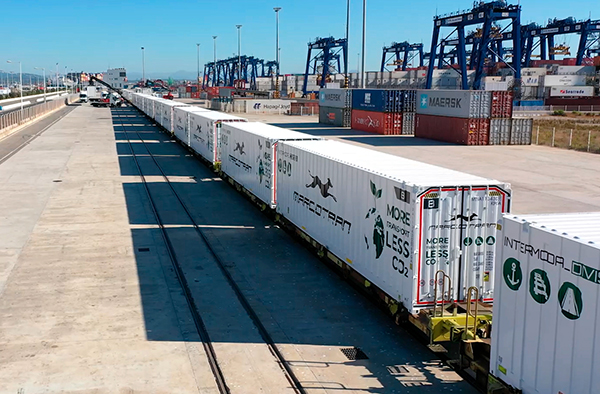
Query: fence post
[570,138]
[589,139]
[553,134]
[537,137]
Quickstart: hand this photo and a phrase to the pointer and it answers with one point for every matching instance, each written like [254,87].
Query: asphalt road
[12,143]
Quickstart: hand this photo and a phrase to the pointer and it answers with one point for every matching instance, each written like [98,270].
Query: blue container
[378,100]
[531,103]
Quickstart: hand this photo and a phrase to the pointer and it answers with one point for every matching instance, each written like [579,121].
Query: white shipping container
[248,156]
[455,103]
[269,106]
[576,70]
[500,131]
[395,221]
[205,130]
[546,310]
[181,125]
[564,80]
[571,91]
[164,112]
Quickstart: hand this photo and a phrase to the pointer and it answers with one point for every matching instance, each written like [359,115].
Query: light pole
[44,71]
[346,54]
[364,36]
[21,83]
[277,9]
[239,27]
[65,79]
[56,77]
[215,61]
[198,54]
[143,69]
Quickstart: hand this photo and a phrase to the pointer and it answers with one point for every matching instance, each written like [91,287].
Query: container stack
[335,107]
[408,112]
[377,111]
[456,116]
[501,114]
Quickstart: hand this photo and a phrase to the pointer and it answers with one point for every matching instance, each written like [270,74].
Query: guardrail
[17,117]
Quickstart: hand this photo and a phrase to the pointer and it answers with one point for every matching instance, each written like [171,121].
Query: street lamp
[56,77]
[364,35]
[346,54]
[277,9]
[215,60]
[65,79]
[143,68]
[44,71]
[239,27]
[21,83]
[198,79]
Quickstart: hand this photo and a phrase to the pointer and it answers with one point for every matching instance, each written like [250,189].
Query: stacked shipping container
[501,114]
[335,107]
[378,111]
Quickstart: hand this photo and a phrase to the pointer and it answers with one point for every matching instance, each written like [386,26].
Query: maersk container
[249,156]
[455,103]
[205,131]
[340,117]
[546,314]
[395,221]
[181,124]
[520,132]
[166,113]
[463,131]
[500,131]
[335,98]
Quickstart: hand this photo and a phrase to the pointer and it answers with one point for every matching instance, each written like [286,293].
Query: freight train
[433,246]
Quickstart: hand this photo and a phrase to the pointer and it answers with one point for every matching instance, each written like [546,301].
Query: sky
[92,36]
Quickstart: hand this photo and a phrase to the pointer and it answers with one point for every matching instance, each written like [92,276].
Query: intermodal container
[455,103]
[408,123]
[393,220]
[545,329]
[205,133]
[461,131]
[166,113]
[377,100]
[409,101]
[500,131]
[520,132]
[248,155]
[377,122]
[181,126]
[335,98]
[340,117]
[502,104]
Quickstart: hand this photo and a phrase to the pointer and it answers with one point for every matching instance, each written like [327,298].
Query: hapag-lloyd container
[181,124]
[205,133]
[395,221]
[340,117]
[387,123]
[335,98]
[454,103]
[545,329]
[462,131]
[500,131]
[249,156]
[166,113]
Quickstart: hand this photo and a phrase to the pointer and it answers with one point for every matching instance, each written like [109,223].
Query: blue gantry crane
[487,15]
[402,53]
[244,68]
[327,54]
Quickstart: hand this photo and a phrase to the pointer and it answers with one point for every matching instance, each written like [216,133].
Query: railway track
[203,332]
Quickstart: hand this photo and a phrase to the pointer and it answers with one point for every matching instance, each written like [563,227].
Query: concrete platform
[89,304]
[544,179]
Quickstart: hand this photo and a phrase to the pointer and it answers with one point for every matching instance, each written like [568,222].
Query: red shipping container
[473,131]
[502,104]
[377,122]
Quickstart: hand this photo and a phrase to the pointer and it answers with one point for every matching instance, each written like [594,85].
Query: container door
[482,208]
[439,244]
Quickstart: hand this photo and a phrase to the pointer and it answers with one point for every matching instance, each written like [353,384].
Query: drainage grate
[354,353]
[143,249]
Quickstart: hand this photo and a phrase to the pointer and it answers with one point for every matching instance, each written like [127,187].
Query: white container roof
[393,167]
[582,227]
[271,132]
[216,116]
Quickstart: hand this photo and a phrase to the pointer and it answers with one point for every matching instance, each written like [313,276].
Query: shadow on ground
[299,299]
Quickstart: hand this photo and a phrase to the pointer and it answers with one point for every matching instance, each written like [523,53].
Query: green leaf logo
[373,188]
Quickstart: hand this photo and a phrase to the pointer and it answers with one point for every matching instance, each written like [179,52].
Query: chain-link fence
[577,135]
[18,117]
